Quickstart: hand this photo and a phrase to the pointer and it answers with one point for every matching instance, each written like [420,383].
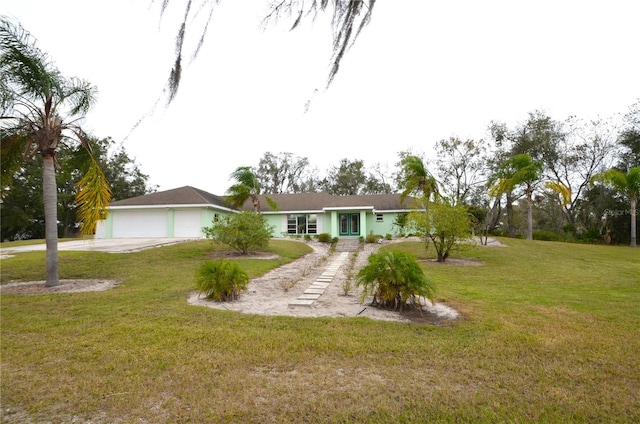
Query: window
[379,217]
[302,224]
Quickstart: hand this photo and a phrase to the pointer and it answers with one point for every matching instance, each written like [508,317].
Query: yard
[550,332]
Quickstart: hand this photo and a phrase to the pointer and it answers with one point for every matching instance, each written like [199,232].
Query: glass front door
[349,224]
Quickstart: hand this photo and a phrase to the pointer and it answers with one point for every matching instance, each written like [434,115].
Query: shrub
[221,280]
[372,238]
[395,280]
[388,236]
[547,236]
[324,238]
[590,235]
[242,231]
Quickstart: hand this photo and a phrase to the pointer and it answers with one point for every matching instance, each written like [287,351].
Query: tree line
[574,179]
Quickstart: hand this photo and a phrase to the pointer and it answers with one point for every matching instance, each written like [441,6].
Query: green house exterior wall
[329,223]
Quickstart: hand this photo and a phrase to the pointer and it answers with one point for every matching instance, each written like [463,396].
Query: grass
[550,333]
[9,244]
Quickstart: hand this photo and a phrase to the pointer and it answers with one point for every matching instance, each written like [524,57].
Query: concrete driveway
[100,245]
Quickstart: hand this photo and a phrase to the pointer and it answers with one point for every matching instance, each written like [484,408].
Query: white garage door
[187,223]
[147,223]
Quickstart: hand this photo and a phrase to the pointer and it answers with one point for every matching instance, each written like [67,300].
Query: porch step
[348,244]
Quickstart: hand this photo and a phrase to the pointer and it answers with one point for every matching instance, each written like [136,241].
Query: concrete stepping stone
[314,291]
[300,302]
[309,296]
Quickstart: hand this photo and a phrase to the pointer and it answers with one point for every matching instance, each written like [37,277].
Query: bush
[324,238]
[372,238]
[221,280]
[395,280]
[590,235]
[242,231]
[547,236]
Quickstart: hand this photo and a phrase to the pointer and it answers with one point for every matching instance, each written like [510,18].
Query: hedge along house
[339,216]
[183,212]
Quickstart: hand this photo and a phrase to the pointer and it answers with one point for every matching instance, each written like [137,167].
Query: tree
[461,166]
[629,139]
[395,280]
[445,225]
[586,147]
[284,173]
[627,184]
[242,231]
[415,179]
[40,113]
[348,178]
[520,170]
[22,206]
[246,187]
[376,182]
[349,18]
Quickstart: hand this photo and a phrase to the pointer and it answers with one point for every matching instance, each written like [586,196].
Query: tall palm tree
[416,179]
[39,114]
[246,187]
[627,184]
[518,170]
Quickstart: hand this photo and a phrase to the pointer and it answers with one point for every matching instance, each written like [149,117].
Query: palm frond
[562,190]
[12,149]
[92,198]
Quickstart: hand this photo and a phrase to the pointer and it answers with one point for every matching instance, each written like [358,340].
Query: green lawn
[550,332]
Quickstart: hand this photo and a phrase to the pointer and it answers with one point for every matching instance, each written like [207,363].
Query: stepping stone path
[317,288]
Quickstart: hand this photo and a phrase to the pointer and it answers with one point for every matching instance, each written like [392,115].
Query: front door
[350,224]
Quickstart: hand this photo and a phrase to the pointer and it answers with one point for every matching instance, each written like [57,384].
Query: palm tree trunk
[634,213]
[529,215]
[50,196]
[511,227]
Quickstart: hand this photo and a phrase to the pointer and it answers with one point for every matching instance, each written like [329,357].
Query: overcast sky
[421,71]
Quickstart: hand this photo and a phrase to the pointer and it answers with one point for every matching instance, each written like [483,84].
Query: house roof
[298,202]
[323,201]
[186,195]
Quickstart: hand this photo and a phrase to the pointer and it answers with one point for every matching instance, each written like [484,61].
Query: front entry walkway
[317,288]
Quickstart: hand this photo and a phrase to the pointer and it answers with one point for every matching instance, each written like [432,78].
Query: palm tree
[516,171]
[627,184]
[246,186]
[34,98]
[416,179]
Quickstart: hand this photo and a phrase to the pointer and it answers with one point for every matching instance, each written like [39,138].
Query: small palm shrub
[395,280]
[221,280]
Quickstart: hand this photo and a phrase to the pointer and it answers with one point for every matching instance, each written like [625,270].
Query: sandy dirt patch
[272,293]
[65,286]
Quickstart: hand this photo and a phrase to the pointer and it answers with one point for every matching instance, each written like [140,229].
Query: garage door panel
[140,224]
[187,223]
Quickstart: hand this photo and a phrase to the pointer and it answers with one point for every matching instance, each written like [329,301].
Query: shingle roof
[320,201]
[186,195]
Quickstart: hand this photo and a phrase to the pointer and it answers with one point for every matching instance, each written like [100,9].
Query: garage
[187,223]
[179,213]
[140,223]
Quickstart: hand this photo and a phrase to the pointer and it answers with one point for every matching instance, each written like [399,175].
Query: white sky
[420,72]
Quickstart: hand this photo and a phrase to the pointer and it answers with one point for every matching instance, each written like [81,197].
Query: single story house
[183,212]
